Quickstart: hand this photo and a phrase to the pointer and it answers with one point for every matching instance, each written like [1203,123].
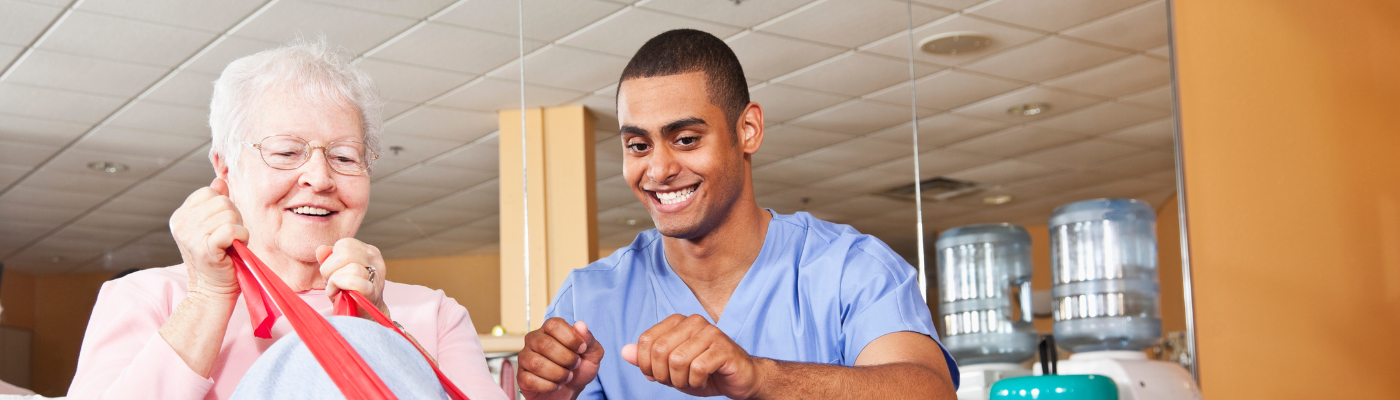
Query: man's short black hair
[687,50]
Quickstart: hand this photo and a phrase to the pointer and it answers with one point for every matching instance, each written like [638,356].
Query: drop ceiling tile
[1166,177]
[394,108]
[410,83]
[226,50]
[624,33]
[156,191]
[947,90]
[159,117]
[25,194]
[112,237]
[1003,37]
[112,220]
[1126,188]
[1119,77]
[214,16]
[1164,52]
[417,9]
[8,53]
[1160,98]
[764,187]
[745,15]
[1044,59]
[21,22]
[864,206]
[610,148]
[1003,172]
[1048,16]
[1148,162]
[1139,28]
[37,214]
[187,88]
[995,108]
[1156,134]
[1106,117]
[147,207]
[56,104]
[494,95]
[797,172]
[865,181]
[443,123]
[934,163]
[414,150]
[940,130]
[766,56]
[10,174]
[15,233]
[782,103]
[39,131]
[568,68]
[23,154]
[849,23]
[484,155]
[485,197]
[455,49]
[1084,153]
[1054,185]
[614,193]
[853,74]
[91,182]
[379,210]
[385,168]
[440,177]
[356,30]
[125,39]
[858,153]
[406,194]
[790,140]
[950,4]
[546,21]
[469,234]
[194,171]
[127,141]
[858,117]
[76,160]
[1016,141]
[437,216]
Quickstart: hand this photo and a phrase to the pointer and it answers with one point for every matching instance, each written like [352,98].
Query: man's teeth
[676,196]
[309,210]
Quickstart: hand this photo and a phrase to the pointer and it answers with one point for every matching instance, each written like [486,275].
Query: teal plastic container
[1056,387]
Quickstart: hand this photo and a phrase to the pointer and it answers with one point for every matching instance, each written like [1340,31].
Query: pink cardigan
[123,356]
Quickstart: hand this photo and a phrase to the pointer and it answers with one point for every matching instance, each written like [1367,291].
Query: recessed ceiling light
[1028,109]
[56,259]
[629,221]
[998,199]
[396,149]
[953,43]
[108,166]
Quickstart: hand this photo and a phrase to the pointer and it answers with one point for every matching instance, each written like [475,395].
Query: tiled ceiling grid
[128,81]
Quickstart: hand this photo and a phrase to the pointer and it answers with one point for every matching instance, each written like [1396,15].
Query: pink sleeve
[123,356]
[459,353]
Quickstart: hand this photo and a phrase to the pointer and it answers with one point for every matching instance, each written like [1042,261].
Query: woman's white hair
[312,71]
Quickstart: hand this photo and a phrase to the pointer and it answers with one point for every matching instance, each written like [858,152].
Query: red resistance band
[349,372]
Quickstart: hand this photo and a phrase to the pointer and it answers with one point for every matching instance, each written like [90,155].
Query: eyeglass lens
[286,152]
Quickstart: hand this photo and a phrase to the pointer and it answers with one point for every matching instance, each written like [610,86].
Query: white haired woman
[294,134]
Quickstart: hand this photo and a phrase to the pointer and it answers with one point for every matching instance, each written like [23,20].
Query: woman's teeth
[676,196]
[308,210]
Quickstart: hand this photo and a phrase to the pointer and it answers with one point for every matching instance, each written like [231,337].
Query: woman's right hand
[204,227]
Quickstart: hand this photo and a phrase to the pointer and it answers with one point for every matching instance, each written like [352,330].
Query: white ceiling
[129,81]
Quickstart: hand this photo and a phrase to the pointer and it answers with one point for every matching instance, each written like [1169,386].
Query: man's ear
[750,129]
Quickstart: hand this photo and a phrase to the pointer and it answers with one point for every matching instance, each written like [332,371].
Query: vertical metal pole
[524,163]
[1187,293]
[918,181]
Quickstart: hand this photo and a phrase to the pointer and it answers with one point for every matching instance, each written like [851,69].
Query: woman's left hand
[346,267]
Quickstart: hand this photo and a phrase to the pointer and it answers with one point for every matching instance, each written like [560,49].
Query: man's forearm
[792,380]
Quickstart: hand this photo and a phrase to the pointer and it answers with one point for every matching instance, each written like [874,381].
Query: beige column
[563,208]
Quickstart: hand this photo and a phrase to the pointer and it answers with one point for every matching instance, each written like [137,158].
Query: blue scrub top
[818,293]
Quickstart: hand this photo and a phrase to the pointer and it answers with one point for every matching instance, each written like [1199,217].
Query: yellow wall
[473,280]
[1293,187]
[17,296]
[62,305]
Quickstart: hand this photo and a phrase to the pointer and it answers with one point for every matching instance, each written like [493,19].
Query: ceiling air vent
[937,189]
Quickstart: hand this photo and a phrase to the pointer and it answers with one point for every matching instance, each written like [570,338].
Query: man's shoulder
[825,239]
[646,242]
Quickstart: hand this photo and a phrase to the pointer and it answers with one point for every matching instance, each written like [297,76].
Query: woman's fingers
[353,277]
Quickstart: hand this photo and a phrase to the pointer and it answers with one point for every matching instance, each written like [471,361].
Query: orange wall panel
[1292,160]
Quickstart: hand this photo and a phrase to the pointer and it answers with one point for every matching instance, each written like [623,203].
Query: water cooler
[1106,297]
[984,277]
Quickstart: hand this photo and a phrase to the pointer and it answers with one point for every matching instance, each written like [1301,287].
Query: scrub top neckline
[741,302]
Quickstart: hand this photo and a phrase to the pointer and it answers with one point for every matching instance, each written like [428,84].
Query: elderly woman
[294,133]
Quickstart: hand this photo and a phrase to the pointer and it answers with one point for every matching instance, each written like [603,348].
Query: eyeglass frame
[325,153]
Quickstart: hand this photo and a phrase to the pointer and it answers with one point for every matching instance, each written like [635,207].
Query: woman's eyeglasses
[291,152]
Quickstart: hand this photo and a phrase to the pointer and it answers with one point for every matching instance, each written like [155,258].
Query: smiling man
[725,298]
